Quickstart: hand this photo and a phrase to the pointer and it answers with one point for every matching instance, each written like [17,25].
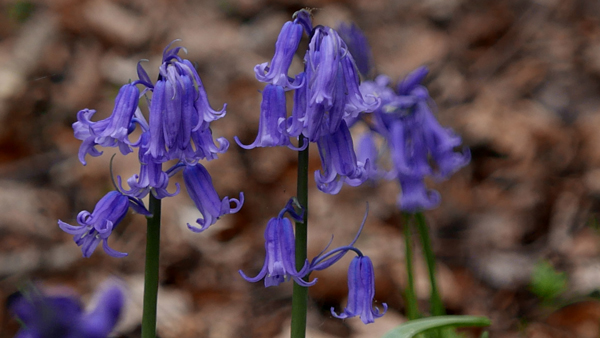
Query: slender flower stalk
[151,269]
[300,293]
[410,296]
[437,306]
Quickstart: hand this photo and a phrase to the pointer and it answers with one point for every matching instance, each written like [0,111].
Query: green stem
[300,295]
[412,309]
[151,270]
[437,307]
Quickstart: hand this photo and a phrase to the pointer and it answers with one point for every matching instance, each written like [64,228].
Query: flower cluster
[178,130]
[326,99]
[418,145]
[280,266]
[50,316]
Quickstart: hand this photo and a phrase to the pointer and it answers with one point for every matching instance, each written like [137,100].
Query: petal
[70,229]
[358,47]
[411,80]
[415,196]
[259,276]
[156,146]
[88,245]
[112,252]
[102,320]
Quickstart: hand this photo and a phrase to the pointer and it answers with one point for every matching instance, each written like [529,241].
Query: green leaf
[546,282]
[414,327]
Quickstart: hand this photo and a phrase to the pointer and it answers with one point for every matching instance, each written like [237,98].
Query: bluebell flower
[358,46]
[339,162]
[179,107]
[415,196]
[331,92]
[272,114]
[419,146]
[201,190]
[45,316]
[356,101]
[110,132]
[361,292]
[326,95]
[367,153]
[323,58]
[151,176]
[285,48]
[178,129]
[280,259]
[97,226]
[205,147]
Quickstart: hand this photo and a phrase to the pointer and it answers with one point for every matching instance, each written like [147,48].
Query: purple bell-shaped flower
[361,291]
[280,259]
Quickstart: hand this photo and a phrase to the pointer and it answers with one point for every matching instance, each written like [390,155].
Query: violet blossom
[52,316]
[110,132]
[418,145]
[97,226]
[326,96]
[201,190]
[361,292]
[280,259]
[178,108]
[178,129]
[415,139]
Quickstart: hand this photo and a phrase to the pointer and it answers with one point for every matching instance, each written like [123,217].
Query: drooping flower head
[280,259]
[178,129]
[332,85]
[53,316]
[179,107]
[361,292]
[326,98]
[97,226]
[419,146]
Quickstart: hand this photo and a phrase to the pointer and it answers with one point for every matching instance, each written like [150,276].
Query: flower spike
[415,139]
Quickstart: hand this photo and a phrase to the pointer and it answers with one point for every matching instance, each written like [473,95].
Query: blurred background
[516,234]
